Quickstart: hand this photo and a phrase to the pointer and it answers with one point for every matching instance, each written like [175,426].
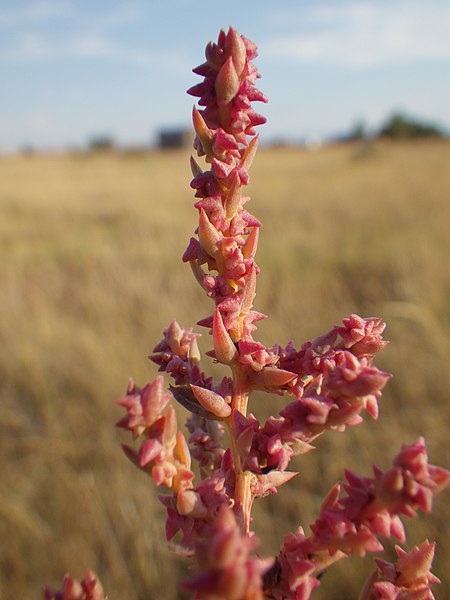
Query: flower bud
[149,451]
[194,352]
[249,248]
[189,503]
[235,47]
[233,198]
[249,153]
[211,401]
[170,428]
[203,132]
[249,291]
[195,167]
[224,348]
[208,235]
[174,336]
[272,377]
[267,484]
[415,565]
[181,450]
[227,83]
[212,54]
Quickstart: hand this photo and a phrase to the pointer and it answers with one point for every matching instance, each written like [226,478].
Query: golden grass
[91,274]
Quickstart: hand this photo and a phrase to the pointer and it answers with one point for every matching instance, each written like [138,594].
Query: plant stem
[242,491]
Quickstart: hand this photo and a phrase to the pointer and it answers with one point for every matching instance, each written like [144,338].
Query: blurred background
[352,184]
[77,70]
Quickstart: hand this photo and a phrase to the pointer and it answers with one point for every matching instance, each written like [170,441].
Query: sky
[73,70]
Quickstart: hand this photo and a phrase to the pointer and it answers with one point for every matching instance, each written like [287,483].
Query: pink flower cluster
[408,579]
[225,562]
[331,380]
[164,452]
[89,588]
[332,385]
[227,232]
[353,525]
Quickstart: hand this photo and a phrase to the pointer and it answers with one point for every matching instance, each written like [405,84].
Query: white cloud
[27,36]
[41,10]
[34,47]
[90,45]
[37,47]
[50,11]
[47,9]
[365,34]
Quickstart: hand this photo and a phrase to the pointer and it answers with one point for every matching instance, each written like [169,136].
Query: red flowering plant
[331,381]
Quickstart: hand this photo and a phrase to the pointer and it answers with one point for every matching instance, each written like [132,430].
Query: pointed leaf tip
[211,401]
[208,235]
[226,351]
[227,82]
[184,395]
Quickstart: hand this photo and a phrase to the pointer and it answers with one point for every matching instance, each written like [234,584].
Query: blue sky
[73,69]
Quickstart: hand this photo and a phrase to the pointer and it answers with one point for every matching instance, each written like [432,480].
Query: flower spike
[331,379]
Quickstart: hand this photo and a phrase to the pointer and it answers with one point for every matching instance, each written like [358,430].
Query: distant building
[175,138]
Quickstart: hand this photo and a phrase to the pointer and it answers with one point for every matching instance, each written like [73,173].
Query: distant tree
[101,142]
[27,150]
[399,126]
[358,131]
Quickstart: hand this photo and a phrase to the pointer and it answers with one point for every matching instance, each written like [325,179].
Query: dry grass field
[91,273]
